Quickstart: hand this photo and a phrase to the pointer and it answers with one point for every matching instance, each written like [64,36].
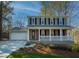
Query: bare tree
[5,16]
[19,23]
[56,8]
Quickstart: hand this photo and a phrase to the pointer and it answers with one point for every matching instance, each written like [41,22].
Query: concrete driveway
[7,47]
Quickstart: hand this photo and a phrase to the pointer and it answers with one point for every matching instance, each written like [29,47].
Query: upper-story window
[33,21]
[42,21]
[47,21]
[60,21]
[56,21]
[51,21]
[64,21]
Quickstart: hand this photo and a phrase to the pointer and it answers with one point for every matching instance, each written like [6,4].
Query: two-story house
[56,30]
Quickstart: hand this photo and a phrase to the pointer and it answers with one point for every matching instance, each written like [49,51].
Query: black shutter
[54,21]
[58,21]
[40,21]
[30,22]
[63,20]
[45,21]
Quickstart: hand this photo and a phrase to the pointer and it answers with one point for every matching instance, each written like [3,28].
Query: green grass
[35,55]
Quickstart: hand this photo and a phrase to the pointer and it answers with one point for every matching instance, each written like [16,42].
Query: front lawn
[35,55]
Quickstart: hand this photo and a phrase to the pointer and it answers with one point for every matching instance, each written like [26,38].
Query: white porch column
[50,33]
[39,34]
[61,35]
[28,35]
[68,35]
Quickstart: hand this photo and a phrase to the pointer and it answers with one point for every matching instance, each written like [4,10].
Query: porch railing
[55,38]
[44,38]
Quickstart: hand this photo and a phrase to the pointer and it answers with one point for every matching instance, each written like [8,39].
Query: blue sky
[22,9]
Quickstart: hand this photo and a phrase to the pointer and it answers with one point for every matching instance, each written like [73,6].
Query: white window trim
[51,21]
[33,21]
[60,21]
[42,21]
[42,32]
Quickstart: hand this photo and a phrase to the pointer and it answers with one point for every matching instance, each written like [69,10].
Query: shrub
[75,47]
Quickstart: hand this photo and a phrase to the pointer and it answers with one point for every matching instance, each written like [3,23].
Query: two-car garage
[18,35]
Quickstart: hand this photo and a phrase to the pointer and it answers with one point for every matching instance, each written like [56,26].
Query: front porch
[55,38]
[50,35]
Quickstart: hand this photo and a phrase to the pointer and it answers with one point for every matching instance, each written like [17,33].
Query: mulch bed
[66,52]
[45,49]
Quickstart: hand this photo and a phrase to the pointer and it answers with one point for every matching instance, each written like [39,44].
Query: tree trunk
[1,20]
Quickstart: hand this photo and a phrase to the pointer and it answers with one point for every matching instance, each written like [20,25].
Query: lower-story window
[57,32]
[64,32]
[44,32]
[54,32]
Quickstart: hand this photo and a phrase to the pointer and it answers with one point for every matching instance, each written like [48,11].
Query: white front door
[18,36]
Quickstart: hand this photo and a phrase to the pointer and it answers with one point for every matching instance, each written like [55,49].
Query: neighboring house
[75,33]
[56,30]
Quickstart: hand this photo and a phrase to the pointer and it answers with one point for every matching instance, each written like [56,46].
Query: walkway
[7,47]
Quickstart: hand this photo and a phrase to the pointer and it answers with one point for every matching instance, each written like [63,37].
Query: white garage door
[18,36]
